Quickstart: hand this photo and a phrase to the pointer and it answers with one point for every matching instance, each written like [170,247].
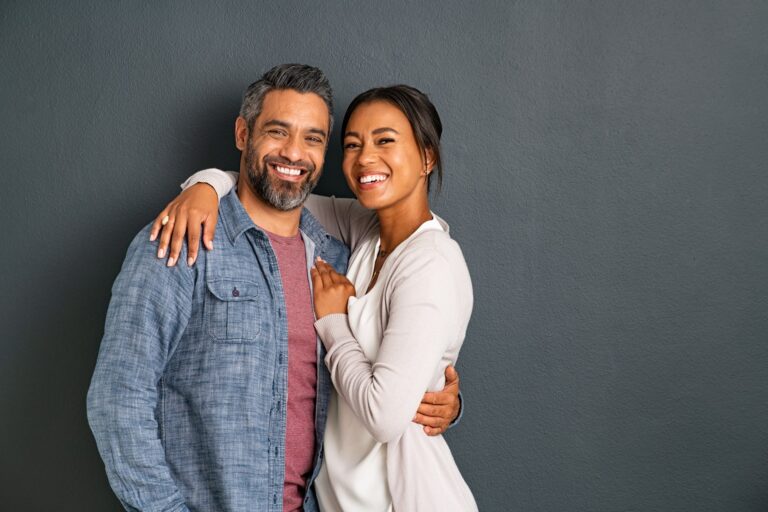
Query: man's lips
[288,172]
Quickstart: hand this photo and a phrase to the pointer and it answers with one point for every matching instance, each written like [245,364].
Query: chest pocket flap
[235,310]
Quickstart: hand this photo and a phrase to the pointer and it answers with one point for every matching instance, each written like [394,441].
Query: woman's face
[382,162]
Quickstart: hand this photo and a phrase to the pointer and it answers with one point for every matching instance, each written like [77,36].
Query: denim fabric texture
[187,401]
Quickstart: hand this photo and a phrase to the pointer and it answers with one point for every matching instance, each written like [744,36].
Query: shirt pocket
[234,310]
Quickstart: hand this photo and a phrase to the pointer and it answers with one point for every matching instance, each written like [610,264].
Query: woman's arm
[428,312]
[221,181]
[343,218]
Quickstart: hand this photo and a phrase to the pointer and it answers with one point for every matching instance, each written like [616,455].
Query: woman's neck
[400,221]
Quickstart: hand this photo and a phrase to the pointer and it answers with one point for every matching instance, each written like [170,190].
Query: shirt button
[235,292]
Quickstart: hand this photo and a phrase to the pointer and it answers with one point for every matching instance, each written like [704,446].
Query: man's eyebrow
[318,131]
[284,124]
[277,122]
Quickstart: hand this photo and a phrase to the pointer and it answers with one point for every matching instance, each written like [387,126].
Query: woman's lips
[371,180]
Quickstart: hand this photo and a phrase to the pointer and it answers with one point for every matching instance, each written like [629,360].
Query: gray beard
[282,195]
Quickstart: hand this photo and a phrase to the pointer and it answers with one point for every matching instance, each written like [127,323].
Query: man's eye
[314,140]
[278,134]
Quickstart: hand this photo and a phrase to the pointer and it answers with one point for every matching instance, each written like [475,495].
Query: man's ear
[241,133]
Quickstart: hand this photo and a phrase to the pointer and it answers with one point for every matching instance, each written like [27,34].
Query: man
[209,391]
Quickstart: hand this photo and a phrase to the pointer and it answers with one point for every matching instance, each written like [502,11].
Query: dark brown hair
[420,112]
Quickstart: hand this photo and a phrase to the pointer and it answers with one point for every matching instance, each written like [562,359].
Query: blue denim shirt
[187,401]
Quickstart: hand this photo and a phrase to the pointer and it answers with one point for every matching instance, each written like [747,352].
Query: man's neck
[266,216]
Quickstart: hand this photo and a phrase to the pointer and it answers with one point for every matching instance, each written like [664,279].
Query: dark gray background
[605,176]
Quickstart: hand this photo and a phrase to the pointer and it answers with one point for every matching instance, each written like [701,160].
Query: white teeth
[372,177]
[288,171]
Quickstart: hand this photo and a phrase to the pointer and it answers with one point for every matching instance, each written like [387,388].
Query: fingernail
[161,253]
[171,261]
[190,261]
[152,237]
[209,245]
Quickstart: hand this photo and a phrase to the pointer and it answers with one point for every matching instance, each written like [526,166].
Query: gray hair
[298,77]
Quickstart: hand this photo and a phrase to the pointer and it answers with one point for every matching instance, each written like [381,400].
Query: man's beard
[281,194]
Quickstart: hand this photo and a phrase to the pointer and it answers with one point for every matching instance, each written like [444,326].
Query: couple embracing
[305,361]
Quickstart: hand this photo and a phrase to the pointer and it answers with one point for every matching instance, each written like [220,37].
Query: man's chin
[285,200]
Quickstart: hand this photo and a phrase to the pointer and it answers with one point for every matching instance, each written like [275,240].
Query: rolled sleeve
[147,315]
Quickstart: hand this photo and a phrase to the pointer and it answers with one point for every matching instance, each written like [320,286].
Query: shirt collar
[236,221]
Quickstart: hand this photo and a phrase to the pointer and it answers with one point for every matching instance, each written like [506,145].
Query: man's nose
[292,148]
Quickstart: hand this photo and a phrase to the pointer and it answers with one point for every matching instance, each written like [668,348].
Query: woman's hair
[420,112]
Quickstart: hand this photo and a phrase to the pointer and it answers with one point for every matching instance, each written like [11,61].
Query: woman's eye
[351,145]
[381,142]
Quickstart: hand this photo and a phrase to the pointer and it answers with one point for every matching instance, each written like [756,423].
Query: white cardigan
[391,347]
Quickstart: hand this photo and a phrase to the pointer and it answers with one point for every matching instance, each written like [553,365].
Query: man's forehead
[294,107]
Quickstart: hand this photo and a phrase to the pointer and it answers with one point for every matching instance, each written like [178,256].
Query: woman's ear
[429,161]
[241,133]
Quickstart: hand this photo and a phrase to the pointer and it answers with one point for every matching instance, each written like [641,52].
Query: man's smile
[288,172]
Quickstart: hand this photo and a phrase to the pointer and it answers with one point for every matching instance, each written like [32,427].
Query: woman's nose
[367,154]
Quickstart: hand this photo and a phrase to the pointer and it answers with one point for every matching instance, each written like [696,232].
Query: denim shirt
[187,401]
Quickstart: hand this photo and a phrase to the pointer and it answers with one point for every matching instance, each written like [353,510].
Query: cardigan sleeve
[221,181]
[427,314]
[344,218]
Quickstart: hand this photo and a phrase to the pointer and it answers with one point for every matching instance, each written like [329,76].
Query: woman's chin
[368,202]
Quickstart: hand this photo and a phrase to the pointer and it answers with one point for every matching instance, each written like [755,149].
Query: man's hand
[438,409]
[198,205]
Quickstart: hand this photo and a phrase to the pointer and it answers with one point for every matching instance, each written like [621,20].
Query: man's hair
[420,112]
[297,77]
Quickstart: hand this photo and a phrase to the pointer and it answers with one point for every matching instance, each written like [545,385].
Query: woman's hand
[198,205]
[331,290]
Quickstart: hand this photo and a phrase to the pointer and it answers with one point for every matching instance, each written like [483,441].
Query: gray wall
[606,177]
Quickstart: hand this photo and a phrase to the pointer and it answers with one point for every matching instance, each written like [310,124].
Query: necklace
[382,254]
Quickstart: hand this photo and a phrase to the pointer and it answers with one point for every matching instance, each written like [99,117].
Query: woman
[399,317]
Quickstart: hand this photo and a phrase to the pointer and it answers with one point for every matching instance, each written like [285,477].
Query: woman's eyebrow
[385,129]
[374,132]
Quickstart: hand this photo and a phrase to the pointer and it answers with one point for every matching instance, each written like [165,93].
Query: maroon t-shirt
[302,368]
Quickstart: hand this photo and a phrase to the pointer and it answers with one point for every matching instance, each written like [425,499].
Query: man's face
[285,149]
